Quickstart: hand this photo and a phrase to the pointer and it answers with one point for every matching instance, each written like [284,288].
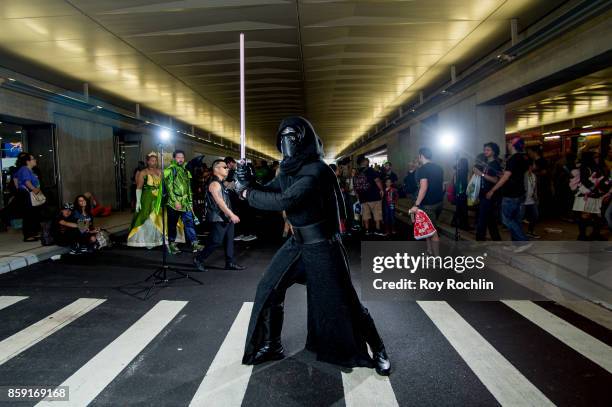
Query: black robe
[338,325]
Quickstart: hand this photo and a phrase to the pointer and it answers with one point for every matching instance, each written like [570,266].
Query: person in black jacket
[222,219]
[339,326]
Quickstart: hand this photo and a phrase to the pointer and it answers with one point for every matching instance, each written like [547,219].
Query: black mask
[291,138]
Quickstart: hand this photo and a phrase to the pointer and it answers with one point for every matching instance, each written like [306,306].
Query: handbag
[37,199]
[473,190]
[103,239]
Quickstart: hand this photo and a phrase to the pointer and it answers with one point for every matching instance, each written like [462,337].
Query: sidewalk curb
[27,258]
[574,284]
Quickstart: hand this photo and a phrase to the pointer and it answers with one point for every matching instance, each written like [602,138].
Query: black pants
[220,234]
[69,237]
[488,211]
[30,215]
[460,218]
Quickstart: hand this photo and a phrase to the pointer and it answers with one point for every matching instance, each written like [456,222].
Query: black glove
[244,178]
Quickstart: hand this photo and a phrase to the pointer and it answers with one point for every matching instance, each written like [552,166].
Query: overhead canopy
[343,64]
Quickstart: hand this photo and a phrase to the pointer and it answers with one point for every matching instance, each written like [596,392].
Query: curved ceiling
[343,64]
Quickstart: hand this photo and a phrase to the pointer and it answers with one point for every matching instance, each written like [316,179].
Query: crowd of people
[196,200]
[514,192]
[72,225]
[526,187]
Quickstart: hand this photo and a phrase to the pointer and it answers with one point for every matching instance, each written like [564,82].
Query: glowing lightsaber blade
[242,109]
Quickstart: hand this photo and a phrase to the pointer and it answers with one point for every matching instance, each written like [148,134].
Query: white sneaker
[249,238]
[522,248]
[238,238]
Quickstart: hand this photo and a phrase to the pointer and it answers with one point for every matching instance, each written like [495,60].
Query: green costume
[178,187]
[146,228]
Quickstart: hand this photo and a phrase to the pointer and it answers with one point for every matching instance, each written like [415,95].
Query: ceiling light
[552,138]
[560,131]
[587,126]
[18,132]
[590,133]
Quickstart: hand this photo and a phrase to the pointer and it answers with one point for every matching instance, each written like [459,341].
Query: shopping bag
[473,190]
[37,199]
[103,239]
[423,226]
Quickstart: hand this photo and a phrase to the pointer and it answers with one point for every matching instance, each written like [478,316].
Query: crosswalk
[15,344]
[225,382]
[227,378]
[499,376]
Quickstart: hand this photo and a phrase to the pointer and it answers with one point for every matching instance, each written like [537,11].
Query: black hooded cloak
[338,325]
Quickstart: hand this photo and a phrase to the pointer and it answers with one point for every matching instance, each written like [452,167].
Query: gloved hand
[138,197]
[244,177]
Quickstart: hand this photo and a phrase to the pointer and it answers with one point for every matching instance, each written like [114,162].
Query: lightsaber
[242,109]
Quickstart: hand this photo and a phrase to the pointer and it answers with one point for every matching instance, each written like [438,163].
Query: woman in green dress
[146,229]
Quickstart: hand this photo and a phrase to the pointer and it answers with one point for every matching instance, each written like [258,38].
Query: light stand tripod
[456,196]
[160,276]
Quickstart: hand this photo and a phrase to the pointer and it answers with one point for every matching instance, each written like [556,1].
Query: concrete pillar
[472,125]
[514,30]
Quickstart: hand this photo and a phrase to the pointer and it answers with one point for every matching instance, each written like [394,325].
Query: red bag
[423,226]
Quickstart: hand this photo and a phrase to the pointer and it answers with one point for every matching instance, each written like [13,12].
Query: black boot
[272,349]
[379,354]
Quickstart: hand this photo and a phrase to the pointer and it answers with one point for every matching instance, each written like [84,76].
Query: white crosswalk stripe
[226,380]
[363,387]
[8,300]
[28,337]
[87,382]
[498,375]
[573,337]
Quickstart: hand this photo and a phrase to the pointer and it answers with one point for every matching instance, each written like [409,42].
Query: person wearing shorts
[372,210]
[369,188]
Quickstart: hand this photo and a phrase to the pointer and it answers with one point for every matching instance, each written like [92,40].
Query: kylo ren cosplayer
[340,328]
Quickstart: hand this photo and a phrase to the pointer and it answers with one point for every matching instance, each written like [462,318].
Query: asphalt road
[75,323]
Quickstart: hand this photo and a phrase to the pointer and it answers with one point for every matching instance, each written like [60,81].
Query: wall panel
[86,158]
